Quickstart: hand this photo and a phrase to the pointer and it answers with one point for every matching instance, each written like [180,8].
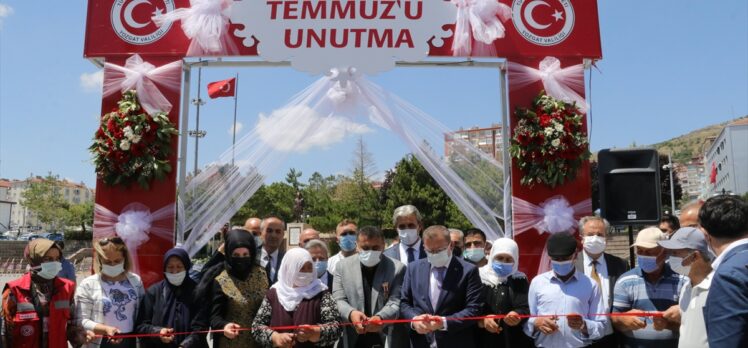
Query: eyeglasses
[115,240]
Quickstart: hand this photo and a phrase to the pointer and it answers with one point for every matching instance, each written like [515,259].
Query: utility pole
[197,133]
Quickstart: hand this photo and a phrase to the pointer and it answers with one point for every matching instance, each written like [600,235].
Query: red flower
[110,125]
[545,120]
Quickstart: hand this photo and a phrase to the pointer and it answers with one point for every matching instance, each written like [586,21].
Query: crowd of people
[448,288]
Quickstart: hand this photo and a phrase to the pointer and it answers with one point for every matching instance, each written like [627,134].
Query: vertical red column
[531,243]
[161,192]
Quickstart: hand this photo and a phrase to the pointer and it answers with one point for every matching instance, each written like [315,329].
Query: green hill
[689,145]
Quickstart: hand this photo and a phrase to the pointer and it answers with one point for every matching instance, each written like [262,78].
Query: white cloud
[239,127]
[301,128]
[92,82]
[5,11]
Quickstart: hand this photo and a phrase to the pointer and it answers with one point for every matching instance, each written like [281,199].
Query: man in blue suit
[408,222]
[439,287]
[725,220]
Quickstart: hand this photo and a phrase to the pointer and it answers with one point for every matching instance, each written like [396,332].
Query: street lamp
[669,167]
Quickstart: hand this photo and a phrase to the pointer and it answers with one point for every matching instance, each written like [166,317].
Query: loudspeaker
[629,186]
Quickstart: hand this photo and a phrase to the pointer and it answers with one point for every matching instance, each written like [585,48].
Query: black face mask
[239,267]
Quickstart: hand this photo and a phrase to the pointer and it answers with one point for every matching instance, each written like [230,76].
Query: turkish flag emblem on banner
[224,88]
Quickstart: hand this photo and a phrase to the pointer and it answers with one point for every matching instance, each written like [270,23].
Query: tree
[43,198]
[276,199]
[320,206]
[81,214]
[292,178]
[363,165]
[357,197]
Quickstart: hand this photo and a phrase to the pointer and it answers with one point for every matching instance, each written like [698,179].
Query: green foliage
[292,178]
[81,215]
[45,199]
[276,199]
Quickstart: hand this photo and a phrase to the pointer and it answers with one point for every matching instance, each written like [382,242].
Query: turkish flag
[224,88]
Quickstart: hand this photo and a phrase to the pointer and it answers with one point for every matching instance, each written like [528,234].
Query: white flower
[135,139]
[556,142]
[548,131]
[127,131]
[559,127]
[124,145]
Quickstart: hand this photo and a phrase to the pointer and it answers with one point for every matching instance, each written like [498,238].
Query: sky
[668,67]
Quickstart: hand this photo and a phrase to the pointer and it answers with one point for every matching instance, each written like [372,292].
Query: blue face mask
[648,264]
[348,242]
[502,269]
[562,268]
[320,267]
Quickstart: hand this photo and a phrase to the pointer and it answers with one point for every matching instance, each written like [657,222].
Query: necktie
[436,287]
[595,276]
[268,267]
[411,255]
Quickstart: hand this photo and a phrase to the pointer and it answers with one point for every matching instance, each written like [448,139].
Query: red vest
[27,325]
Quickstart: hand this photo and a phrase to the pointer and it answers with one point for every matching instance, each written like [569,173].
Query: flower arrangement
[549,143]
[132,146]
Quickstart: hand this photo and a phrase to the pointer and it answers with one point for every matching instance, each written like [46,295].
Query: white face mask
[440,259]
[370,258]
[408,236]
[49,270]
[594,244]
[303,279]
[176,279]
[676,264]
[113,271]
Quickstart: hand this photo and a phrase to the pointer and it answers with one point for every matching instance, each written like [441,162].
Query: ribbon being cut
[135,225]
[555,215]
[343,103]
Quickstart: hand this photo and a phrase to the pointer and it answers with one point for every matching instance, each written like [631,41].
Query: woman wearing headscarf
[108,300]
[169,306]
[506,294]
[237,292]
[38,307]
[300,299]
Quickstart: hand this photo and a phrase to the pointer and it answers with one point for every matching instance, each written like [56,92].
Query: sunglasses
[115,240]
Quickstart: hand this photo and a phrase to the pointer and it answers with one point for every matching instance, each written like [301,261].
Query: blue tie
[411,255]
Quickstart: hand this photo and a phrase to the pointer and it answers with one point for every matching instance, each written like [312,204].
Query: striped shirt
[633,291]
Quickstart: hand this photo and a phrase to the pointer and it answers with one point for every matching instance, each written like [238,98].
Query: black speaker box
[629,186]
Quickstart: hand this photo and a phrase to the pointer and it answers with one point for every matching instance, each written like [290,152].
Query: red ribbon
[391,321]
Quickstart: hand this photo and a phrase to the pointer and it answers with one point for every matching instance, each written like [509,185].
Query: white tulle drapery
[478,25]
[335,105]
[145,78]
[206,24]
[560,83]
[554,215]
[135,225]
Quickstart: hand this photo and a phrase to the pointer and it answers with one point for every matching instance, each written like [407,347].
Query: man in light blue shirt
[571,295]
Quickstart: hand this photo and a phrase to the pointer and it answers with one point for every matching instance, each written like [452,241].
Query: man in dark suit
[603,268]
[407,221]
[273,229]
[439,287]
[725,220]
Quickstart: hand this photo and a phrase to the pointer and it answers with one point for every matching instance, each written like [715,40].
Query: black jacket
[502,299]
[153,304]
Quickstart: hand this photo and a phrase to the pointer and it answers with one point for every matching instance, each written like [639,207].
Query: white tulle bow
[559,83]
[135,225]
[206,24]
[143,77]
[554,215]
[482,18]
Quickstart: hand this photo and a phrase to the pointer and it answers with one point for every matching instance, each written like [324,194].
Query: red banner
[538,28]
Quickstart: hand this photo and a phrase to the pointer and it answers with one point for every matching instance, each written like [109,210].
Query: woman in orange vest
[38,308]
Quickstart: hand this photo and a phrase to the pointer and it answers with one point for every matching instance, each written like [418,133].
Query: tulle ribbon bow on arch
[135,225]
[483,19]
[206,24]
[559,83]
[143,77]
[554,215]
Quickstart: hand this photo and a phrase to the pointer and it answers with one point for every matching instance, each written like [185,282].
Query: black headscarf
[172,308]
[239,267]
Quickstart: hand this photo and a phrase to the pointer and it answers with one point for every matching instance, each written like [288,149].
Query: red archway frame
[102,43]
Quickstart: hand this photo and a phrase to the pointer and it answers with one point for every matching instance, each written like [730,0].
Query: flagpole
[233,140]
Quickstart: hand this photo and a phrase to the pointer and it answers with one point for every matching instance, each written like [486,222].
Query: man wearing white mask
[439,287]
[320,253]
[378,279]
[408,222]
[346,235]
[475,247]
[603,268]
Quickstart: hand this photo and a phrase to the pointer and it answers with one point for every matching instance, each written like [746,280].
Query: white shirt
[602,271]
[404,251]
[272,257]
[692,326]
[119,299]
[733,245]
[333,261]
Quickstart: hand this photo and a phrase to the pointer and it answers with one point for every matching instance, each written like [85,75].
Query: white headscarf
[289,296]
[500,246]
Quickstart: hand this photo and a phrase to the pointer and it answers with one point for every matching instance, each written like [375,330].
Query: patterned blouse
[237,301]
[329,333]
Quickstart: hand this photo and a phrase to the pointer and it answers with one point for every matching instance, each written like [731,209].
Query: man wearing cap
[690,257]
[564,291]
[650,287]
